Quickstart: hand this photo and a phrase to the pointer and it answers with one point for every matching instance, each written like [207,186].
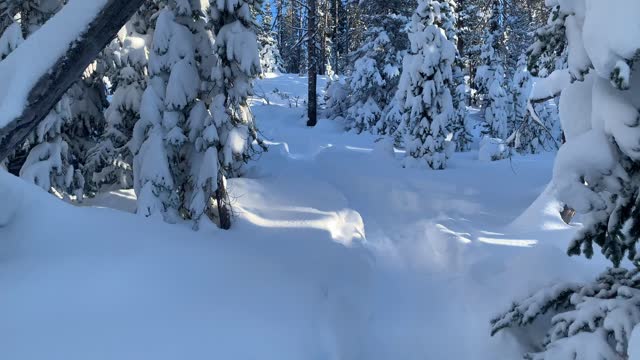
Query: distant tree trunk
[335,35]
[312,110]
[460,25]
[322,66]
[51,86]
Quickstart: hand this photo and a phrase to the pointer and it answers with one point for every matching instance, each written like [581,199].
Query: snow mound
[109,285]
[492,149]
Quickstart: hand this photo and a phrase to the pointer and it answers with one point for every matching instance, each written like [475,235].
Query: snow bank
[84,283]
[634,344]
[20,71]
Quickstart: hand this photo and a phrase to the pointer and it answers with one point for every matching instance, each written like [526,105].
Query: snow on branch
[34,77]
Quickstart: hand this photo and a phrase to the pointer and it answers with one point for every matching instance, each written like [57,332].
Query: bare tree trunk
[460,25]
[224,204]
[335,38]
[50,88]
[312,111]
[322,66]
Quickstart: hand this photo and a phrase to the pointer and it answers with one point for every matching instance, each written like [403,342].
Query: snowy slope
[337,253]
[140,290]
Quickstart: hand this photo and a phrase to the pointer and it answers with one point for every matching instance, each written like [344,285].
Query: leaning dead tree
[68,68]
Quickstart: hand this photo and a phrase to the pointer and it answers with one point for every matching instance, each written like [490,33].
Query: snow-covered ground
[337,252]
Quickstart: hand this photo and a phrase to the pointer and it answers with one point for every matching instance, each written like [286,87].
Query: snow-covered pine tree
[423,93]
[371,82]
[45,159]
[597,172]
[270,59]
[532,135]
[336,97]
[460,126]
[462,137]
[233,75]
[472,18]
[376,68]
[549,50]
[522,18]
[172,115]
[526,129]
[237,66]
[88,101]
[490,78]
[110,162]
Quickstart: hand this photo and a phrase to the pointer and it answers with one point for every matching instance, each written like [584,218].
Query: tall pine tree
[424,90]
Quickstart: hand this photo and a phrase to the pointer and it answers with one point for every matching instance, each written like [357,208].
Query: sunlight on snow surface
[336,253]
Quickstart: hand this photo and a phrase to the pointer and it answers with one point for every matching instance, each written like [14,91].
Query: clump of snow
[492,149]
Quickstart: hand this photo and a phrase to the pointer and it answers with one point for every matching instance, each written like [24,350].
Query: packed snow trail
[337,252]
[450,247]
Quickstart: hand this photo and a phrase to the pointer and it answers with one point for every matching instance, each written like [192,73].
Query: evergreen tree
[292,43]
[238,64]
[460,126]
[46,158]
[175,167]
[472,18]
[88,101]
[490,78]
[270,59]
[533,135]
[376,67]
[448,20]
[110,162]
[339,35]
[597,173]
[549,50]
[525,140]
[374,79]
[423,92]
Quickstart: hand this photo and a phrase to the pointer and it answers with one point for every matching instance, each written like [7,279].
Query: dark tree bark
[50,88]
[312,107]
[224,204]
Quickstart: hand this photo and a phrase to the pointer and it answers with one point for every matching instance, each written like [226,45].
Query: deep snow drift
[337,252]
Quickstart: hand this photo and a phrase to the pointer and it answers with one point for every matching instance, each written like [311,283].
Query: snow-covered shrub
[493,149]
[424,91]
[336,97]
[460,123]
[597,172]
[49,163]
[498,109]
